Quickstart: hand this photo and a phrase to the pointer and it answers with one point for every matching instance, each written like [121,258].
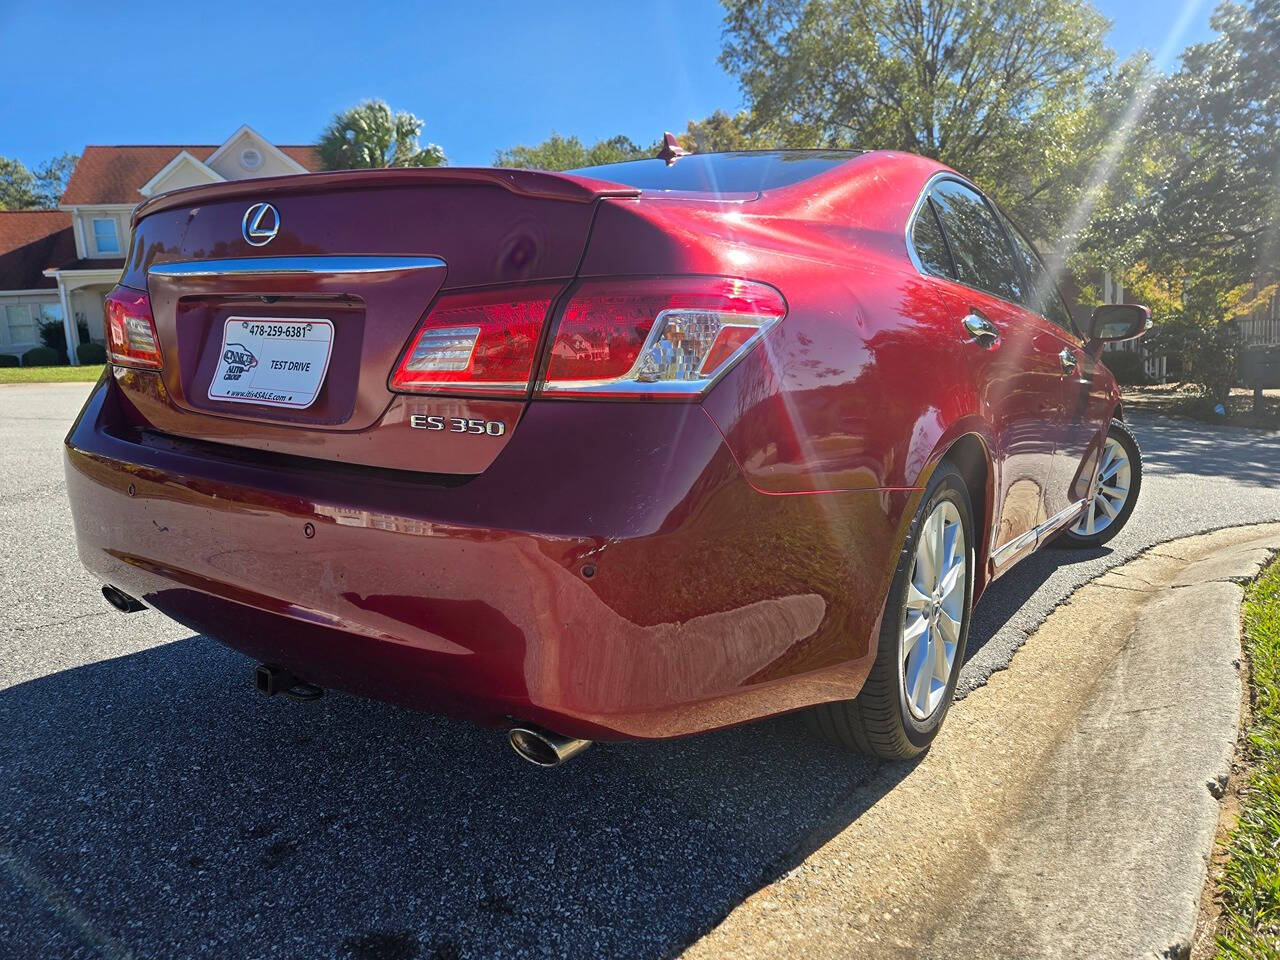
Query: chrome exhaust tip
[542,747]
[121,600]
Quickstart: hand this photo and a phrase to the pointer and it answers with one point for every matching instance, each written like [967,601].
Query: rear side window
[978,243]
[931,247]
[1043,296]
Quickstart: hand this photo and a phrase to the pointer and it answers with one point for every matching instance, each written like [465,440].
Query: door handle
[981,330]
[1068,360]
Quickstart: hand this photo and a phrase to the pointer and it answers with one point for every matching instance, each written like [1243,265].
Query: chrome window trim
[911,225]
[915,258]
[292,266]
[922,205]
[1001,217]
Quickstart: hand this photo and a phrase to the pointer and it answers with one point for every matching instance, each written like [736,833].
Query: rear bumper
[709,603]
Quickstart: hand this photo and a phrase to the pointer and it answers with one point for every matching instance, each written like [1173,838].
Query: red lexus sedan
[630,452]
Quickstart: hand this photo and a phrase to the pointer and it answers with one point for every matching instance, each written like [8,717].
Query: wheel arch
[968,448]
[969,454]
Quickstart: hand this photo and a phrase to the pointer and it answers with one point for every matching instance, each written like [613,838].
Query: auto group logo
[239,359]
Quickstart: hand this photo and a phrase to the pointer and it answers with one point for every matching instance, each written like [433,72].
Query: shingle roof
[30,242]
[114,174]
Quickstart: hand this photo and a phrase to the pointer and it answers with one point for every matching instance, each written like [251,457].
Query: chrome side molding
[292,266]
[1022,541]
[1016,545]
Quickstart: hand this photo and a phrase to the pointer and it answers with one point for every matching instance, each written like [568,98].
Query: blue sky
[484,75]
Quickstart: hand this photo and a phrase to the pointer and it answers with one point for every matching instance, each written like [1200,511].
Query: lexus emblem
[260,225]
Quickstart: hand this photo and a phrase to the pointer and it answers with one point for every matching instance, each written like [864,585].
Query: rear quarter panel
[865,377]
[864,385]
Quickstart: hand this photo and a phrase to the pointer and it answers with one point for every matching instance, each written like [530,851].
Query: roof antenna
[671,150]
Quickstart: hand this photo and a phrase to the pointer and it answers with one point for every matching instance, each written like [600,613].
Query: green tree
[719,132]
[1203,222]
[1211,205]
[21,189]
[52,177]
[17,186]
[722,132]
[569,153]
[371,135]
[1020,95]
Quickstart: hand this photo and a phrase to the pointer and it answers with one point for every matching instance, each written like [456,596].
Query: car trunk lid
[350,261]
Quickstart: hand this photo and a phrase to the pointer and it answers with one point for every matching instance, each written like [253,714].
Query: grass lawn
[87,373]
[1250,887]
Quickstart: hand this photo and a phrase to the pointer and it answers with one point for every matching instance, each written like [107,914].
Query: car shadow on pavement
[1187,448]
[154,804]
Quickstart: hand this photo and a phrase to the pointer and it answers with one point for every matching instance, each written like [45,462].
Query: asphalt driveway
[152,805]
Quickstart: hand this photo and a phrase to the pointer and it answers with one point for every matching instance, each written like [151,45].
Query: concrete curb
[1068,809]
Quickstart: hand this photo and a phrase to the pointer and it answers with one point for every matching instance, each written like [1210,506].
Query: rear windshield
[720,172]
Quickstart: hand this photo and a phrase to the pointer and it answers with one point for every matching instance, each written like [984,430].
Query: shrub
[8,360]
[40,357]
[54,336]
[90,352]
[1127,367]
[1207,347]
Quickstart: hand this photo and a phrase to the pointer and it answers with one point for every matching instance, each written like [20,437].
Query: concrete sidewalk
[1068,807]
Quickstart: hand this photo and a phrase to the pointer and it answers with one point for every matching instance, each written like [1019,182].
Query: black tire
[1126,439]
[879,722]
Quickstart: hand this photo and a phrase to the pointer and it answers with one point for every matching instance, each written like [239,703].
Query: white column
[68,322]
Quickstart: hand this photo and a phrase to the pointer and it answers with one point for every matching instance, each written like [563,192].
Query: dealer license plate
[279,363]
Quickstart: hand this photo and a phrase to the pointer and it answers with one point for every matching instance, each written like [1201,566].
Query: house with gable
[60,264]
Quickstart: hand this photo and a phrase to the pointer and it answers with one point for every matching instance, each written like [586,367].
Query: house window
[104,235]
[21,324]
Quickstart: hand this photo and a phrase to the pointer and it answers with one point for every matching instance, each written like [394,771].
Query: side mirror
[1119,321]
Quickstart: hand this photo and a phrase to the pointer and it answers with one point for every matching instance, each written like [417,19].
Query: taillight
[131,330]
[656,337]
[477,343]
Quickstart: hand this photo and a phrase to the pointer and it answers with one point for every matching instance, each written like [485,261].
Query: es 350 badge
[492,428]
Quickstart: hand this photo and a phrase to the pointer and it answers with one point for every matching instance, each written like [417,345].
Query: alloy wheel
[935,610]
[1110,492]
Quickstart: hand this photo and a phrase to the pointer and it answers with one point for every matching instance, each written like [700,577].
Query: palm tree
[370,134]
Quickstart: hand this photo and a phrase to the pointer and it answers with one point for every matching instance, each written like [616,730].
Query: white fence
[1259,331]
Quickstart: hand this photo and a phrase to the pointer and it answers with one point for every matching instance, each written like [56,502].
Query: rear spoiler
[529,183]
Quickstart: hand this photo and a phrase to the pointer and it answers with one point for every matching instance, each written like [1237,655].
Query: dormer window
[250,158]
[105,238]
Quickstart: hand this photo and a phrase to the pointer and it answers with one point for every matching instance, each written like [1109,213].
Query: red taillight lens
[477,343]
[131,331]
[656,337]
